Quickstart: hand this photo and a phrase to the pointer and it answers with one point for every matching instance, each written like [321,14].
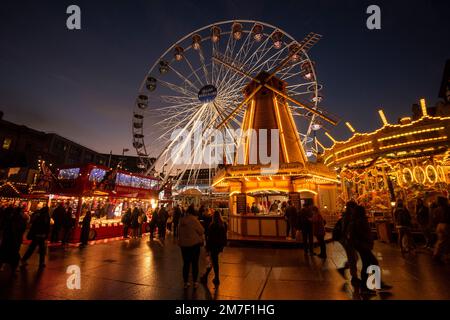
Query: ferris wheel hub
[207,93]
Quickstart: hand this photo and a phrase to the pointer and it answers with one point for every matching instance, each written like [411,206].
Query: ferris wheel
[201,79]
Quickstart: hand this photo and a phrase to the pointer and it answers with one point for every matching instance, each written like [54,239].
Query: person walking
[190,240]
[13,226]
[403,224]
[216,240]
[68,223]
[290,217]
[318,224]
[176,219]
[58,217]
[360,237]
[424,221]
[38,234]
[169,220]
[126,220]
[153,223]
[85,228]
[305,225]
[341,233]
[442,220]
[162,222]
[141,220]
[134,223]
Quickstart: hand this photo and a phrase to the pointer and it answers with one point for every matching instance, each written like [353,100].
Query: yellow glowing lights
[355,154]
[307,190]
[421,175]
[350,127]
[423,106]
[383,117]
[283,139]
[353,147]
[330,137]
[410,133]
[413,142]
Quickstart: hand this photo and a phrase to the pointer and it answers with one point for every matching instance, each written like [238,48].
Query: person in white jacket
[190,239]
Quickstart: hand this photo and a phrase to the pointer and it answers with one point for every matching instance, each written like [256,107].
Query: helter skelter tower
[266,103]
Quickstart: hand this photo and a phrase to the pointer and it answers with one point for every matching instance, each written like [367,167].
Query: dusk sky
[82,84]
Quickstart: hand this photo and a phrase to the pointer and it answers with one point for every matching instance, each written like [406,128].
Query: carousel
[407,160]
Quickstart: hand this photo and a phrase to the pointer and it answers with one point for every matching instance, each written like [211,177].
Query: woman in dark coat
[38,234]
[216,240]
[85,228]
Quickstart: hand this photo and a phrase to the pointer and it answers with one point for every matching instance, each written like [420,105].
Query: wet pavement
[140,269]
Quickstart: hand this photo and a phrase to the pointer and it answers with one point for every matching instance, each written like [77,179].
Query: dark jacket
[423,215]
[40,224]
[162,216]
[135,218]
[176,215]
[58,215]
[291,214]
[304,221]
[217,237]
[402,217]
[360,234]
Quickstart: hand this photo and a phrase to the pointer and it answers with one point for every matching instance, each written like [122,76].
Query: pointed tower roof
[267,110]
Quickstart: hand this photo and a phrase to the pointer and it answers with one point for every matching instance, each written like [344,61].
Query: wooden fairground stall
[407,161]
[106,193]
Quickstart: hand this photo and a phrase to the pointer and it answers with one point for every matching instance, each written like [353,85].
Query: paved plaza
[139,269]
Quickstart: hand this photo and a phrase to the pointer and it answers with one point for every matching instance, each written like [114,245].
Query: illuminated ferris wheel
[201,79]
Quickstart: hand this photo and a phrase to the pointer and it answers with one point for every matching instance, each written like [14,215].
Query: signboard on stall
[294,197]
[241,203]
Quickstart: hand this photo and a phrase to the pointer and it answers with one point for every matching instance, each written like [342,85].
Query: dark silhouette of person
[58,217]
[85,228]
[38,234]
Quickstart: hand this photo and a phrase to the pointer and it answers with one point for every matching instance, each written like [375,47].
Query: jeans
[175,228]
[352,259]
[38,241]
[67,233]
[288,228]
[308,240]
[55,233]
[125,230]
[190,257]
[368,259]
[323,247]
[162,231]
[214,254]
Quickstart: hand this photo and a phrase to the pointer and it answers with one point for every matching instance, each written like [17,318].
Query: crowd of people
[433,222]
[56,224]
[195,228]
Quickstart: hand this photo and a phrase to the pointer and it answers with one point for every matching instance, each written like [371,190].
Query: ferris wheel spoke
[195,118]
[282,73]
[177,88]
[202,61]
[295,86]
[182,77]
[261,48]
[193,71]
